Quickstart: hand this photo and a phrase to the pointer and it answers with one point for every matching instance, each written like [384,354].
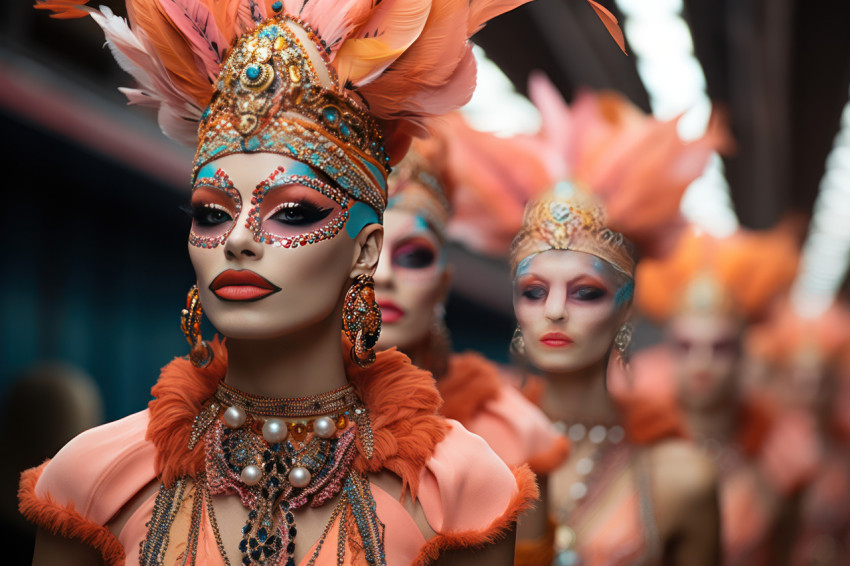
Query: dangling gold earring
[190,322]
[623,339]
[361,320]
[518,343]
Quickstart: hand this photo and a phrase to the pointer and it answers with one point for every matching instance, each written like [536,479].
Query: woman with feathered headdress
[287,443]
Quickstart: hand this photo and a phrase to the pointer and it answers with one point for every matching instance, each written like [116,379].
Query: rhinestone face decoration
[222,182]
[329,227]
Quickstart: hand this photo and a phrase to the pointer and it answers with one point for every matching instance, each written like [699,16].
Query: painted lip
[390,312]
[243,285]
[556,340]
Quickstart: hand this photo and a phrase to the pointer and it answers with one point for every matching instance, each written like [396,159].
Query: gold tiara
[568,219]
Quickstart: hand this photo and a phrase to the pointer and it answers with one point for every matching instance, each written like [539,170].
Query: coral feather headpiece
[341,85]
[629,172]
[739,275]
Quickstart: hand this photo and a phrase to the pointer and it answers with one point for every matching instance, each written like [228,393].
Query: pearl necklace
[280,461]
[599,436]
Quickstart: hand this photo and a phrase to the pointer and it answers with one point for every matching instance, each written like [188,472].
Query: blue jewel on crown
[560,211]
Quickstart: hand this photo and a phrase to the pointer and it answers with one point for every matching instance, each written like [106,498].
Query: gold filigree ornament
[276,93]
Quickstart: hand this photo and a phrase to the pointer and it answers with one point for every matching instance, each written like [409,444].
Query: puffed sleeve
[519,432]
[89,480]
[469,495]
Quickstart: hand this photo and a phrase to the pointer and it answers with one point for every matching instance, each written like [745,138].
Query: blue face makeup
[524,265]
[624,293]
[360,215]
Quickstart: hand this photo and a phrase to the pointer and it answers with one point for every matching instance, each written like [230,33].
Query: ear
[367,250]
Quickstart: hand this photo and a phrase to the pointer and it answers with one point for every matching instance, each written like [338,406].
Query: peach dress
[467,493]
[486,403]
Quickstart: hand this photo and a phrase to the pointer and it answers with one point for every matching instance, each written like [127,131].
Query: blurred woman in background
[411,286]
[707,292]
[630,492]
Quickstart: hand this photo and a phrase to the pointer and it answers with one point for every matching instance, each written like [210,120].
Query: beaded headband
[416,186]
[568,219]
[270,98]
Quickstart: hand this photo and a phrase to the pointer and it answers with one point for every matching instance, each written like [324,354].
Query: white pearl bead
[251,474]
[578,490]
[274,430]
[234,417]
[584,466]
[300,477]
[616,434]
[577,432]
[324,427]
[597,434]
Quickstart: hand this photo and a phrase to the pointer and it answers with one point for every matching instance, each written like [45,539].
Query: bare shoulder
[684,482]
[682,469]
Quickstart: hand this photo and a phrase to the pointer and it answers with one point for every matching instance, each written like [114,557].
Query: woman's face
[269,245]
[411,279]
[707,357]
[569,306]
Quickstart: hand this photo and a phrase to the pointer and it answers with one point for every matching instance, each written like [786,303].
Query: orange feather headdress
[739,275]
[350,80]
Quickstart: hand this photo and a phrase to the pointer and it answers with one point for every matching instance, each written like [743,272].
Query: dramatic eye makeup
[587,289]
[414,253]
[294,210]
[214,207]
[531,289]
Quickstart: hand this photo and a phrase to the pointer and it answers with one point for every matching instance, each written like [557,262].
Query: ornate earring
[518,343]
[623,339]
[190,322]
[361,320]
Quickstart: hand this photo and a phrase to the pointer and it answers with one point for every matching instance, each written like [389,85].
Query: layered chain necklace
[278,455]
[601,438]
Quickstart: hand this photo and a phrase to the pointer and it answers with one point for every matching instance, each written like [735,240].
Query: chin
[396,335]
[265,324]
[565,361]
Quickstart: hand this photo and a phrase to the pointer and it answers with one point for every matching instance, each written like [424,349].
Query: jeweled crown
[567,218]
[276,93]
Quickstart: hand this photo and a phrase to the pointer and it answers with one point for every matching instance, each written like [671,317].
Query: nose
[384,271]
[555,309]
[240,243]
[701,355]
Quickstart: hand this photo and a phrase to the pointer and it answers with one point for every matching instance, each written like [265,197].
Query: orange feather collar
[401,399]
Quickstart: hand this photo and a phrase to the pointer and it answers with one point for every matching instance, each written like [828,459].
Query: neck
[719,423]
[580,396]
[305,363]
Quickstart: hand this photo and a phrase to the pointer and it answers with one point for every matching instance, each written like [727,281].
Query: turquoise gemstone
[330,114]
[344,129]
[277,6]
[252,72]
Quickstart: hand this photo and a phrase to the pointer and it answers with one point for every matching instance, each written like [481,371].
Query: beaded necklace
[278,455]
